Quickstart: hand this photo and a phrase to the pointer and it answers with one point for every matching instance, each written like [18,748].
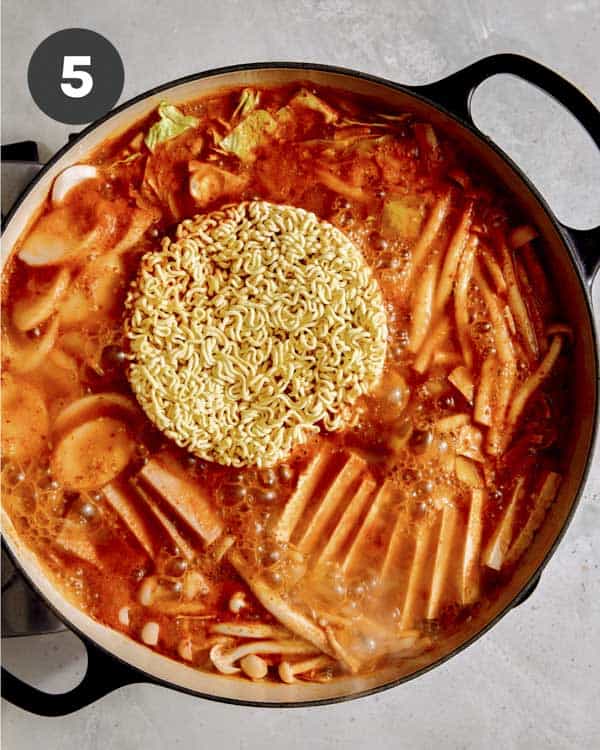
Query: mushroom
[150,633]
[70,178]
[194,583]
[254,666]
[184,649]
[147,591]
[224,660]
[237,602]
[288,671]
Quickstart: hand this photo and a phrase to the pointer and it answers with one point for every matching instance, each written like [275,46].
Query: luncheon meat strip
[186,498]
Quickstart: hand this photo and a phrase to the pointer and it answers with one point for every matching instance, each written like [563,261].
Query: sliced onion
[50,241]
[34,309]
[27,354]
[70,178]
[56,238]
[93,292]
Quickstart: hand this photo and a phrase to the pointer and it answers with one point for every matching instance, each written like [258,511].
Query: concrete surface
[533,682]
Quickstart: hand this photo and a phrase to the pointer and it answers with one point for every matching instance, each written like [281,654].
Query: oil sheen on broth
[370,541]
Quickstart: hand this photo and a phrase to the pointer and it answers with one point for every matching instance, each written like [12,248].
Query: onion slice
[70,178]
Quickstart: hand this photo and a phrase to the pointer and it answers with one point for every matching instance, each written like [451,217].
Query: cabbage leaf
[127,159]
[287,117]
[249,100]
[305,98]
[249,134]
[171,124]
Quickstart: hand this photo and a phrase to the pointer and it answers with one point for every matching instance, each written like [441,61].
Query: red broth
[415,513]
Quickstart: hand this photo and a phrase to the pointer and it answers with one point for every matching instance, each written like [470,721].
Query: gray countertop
[533,681]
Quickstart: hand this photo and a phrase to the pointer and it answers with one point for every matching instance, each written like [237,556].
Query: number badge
[75,76]
[70,71]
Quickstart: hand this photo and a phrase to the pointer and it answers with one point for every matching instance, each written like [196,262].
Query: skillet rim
[138,674]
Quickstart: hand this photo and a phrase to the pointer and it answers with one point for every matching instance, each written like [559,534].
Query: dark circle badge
[75,76]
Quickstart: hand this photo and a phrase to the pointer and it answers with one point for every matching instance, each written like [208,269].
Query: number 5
[86,82]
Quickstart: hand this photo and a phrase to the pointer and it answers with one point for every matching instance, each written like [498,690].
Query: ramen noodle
[289,325]
[285,386]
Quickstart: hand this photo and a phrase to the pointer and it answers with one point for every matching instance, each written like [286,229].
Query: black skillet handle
[454,93]
[104,674]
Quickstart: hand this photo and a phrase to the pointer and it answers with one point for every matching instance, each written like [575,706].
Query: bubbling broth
[285,384]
